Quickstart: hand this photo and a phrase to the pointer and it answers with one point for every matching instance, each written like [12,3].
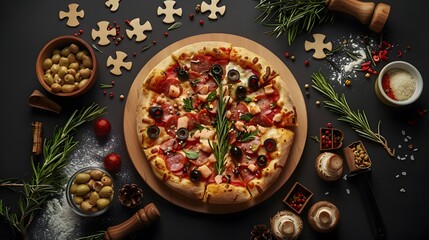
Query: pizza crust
[218,50]
[225,193]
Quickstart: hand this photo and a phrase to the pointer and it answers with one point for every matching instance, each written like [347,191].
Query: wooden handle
[368,13]
[142,218]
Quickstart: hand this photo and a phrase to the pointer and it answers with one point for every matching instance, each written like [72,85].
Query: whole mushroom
[286,225]
[329,166]
[323,216]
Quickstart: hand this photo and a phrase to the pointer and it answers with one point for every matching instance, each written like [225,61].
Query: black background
[28,25]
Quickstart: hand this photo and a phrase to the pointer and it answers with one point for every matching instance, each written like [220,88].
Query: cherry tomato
[112,162]
[102,127]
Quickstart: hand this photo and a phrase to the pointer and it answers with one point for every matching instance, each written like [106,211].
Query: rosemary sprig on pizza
[216,122]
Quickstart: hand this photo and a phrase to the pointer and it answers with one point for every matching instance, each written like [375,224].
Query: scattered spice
[103,85]
[348,82]
[398,84]
[146,47]
[307,63]
[165,34]
[201,22]
[198,7]
[191,16]
[111,94]
[121,97]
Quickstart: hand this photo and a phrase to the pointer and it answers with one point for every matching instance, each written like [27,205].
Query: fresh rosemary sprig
[356,119]
[48,178]
[291,17]
[222,125]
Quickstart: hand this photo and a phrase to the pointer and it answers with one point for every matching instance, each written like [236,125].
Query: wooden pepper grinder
[142,218]
[368,13]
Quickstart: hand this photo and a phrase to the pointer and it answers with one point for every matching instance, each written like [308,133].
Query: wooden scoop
[142,218]
[368,13]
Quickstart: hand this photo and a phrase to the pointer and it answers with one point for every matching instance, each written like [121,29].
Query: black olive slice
[182,74]
[240,93]
[156,112]
[270,144]
[253,82]
[182,133]
[262,160]
[217,71]
[153,131]
[195,175]
[236,152]
[233,75]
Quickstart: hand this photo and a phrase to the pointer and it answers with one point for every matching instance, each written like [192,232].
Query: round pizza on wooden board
[221,125]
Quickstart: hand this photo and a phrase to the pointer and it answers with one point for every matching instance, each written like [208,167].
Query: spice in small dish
[398,84]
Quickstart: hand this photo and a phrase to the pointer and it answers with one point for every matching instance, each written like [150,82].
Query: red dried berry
[287,54]
[201,22]
[191,16]
[307,63]
[165,34]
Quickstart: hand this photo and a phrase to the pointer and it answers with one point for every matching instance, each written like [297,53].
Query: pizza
[215,122]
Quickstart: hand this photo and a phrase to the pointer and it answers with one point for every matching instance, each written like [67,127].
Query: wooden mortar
[368,13]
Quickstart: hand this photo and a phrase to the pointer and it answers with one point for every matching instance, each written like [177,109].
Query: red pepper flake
[376,58]
[399,53]
[165,34]
[201,22]
[307,63]
[111,95]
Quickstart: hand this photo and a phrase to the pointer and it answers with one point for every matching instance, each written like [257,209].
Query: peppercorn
[165,34]
[201,22]
[317,102]
[292,58]
[287,54]
[367,75]
[307,86]
[121,97]
[348,82]
[198,7]
[307,63]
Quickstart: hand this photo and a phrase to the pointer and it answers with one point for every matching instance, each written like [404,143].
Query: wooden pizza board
[140,162]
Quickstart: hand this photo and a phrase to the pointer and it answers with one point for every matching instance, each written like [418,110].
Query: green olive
[74,48]
[93,197]
[106,181]
[56,58]
[47,64]
[72,58]
[64,62]
[77,77]
[54,68]
[85,73]
[82,83]
[80,54]
[86,206]
[65,51]
[56,51]
[56,87]
[103,203]
[73,188]
[87,61]
[69,79]
[71,71]
[96,174]
[67,88]
[78,200]
[74,66]
[49,79]
[106,192]
[62,71]
[82,189]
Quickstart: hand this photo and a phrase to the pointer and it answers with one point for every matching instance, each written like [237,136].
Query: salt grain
[412,157]
[326,193]
[347,191]
[402,190]
[345,177]
[404,173]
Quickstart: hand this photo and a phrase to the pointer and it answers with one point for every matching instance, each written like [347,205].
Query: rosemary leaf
[174,26]
[356,119]
[145,47]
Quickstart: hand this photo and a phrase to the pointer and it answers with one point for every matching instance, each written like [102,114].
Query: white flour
[60,222]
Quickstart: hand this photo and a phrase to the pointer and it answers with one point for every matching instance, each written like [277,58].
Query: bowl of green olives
[90,191]
[67,66]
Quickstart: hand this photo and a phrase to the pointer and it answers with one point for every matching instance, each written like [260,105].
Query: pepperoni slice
[170,126]
[264,104]
[201,64]
[168,112]
[237,110]
[175,161]
[261,120]
[192,119]
[164,86]
[204,117]
[170,145]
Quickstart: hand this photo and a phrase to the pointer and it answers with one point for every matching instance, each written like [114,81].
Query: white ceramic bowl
[415,74]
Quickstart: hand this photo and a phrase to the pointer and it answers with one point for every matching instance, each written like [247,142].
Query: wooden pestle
[368,13]
[142,218]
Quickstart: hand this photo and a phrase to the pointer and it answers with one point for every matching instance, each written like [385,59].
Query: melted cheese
[244,73]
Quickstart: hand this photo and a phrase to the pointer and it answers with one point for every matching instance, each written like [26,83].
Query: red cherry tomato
[102,127]
[112,162]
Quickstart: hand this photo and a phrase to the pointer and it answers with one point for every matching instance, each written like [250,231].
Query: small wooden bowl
[60,43]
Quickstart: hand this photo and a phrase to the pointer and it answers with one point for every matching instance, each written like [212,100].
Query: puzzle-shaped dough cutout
[72,15]
[118,63]
[138,30]
[103,33]
[169,11]
[318,46]
[213,8]
[112,4]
